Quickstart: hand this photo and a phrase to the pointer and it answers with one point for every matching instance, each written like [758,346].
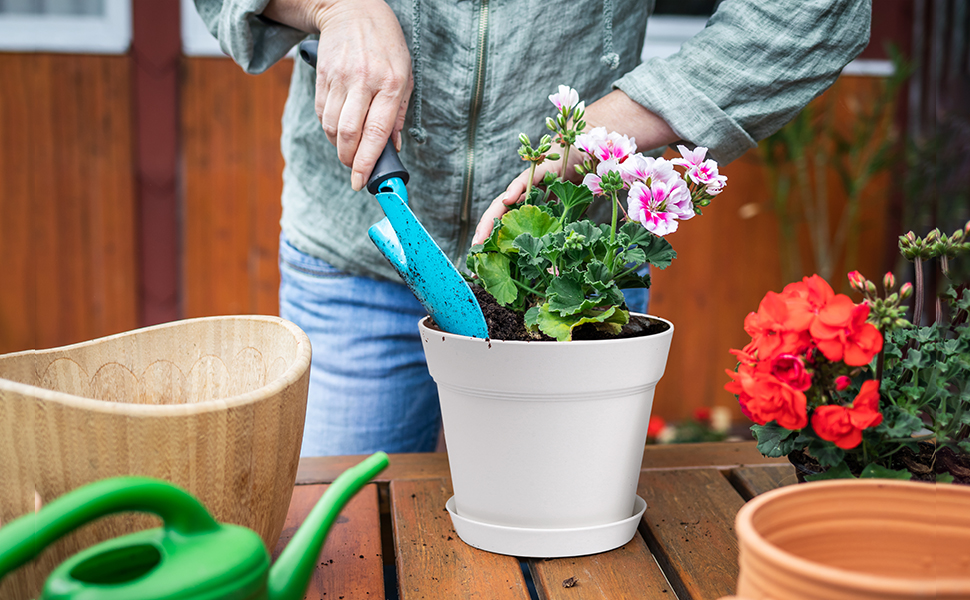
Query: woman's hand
[615,111]
[363,75]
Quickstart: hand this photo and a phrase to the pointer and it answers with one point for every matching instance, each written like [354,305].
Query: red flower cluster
[787,333]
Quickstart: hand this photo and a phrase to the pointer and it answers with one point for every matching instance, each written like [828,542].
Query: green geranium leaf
[826,453]
[633,280]
[898,423]
[874,471]
[773,439]
[493,271]
[944,478]
[566,294]
[632,256]
[598,275]
[839,471]
[532,318]
[658,251]
[574,198]
[561,327]
[529,244]
[525,219]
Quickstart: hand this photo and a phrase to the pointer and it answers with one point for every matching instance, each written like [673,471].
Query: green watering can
[191,557]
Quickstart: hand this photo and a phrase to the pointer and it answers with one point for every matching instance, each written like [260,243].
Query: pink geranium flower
[647,169]
[566,98]
[706,174]
[658,208]
[593,180]
[605,146]
[690,158]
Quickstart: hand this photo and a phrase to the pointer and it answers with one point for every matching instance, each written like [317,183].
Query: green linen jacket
[483,72]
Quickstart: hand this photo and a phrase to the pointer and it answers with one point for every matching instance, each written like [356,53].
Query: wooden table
[395,538]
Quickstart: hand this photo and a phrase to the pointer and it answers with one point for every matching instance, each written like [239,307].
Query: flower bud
[842,382]
[966,228]
[549,178]
[901,323]
[857,281]
[904,242]
[932,236]
[906,291]
[546,139]
[870,288]
[550,124]
[524,139]
[553,156]
[580,110]
[888,281]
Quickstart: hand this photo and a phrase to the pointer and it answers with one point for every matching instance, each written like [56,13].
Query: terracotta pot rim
[423,325]
[290,376]
[891,586]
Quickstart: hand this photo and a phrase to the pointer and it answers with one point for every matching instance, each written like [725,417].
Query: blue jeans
[369,385]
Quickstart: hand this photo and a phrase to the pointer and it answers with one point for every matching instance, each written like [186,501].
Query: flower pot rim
[289,376]
[891,586]
[423,326]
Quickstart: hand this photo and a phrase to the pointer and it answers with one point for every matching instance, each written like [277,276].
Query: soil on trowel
[503,324]
[923,466]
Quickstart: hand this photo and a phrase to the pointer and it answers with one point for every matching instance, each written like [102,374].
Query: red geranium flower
[764,398]
[843,426]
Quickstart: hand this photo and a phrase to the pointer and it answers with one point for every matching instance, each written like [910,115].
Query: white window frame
[665,34]
[76,34]
[196,39]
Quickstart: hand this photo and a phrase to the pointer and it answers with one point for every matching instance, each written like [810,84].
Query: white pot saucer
[546,543]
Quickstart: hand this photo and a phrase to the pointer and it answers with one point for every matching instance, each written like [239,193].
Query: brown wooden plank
[689,527]
[351,564]
[711,454]
[627,572]
[434,465]
[324,469]
[230,130]
[432,563]
[751,481]
[67,209]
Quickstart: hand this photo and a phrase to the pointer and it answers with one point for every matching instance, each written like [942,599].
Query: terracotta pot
[545,439]
[859,539]
[215,406]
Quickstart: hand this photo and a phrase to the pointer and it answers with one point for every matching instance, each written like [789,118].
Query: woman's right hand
[363,75]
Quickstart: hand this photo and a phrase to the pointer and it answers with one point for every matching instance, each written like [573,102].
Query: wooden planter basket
[214,405]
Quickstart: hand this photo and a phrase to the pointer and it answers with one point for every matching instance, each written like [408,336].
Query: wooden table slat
[689,527]
[751,481]
[434,465]
[350,565]
[627,572]
[432,563]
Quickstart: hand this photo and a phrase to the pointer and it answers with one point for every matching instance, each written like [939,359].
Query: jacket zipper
[464,218]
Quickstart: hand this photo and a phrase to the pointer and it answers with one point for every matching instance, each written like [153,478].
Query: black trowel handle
[388,164]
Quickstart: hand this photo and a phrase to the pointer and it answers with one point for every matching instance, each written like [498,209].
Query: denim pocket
[295,260]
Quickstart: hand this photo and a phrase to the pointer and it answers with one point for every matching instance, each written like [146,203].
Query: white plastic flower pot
[545,439]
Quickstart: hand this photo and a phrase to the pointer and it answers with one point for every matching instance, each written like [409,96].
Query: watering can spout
[290,575]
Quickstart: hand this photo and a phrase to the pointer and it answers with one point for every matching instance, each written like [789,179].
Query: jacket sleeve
[255,43]
[755,65]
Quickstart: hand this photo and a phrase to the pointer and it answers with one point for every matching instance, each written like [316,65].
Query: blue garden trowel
[435,282]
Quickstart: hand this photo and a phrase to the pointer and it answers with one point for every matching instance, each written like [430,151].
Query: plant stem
[528,289]
[565,161]
[528,185]
[918,308]
[611,253]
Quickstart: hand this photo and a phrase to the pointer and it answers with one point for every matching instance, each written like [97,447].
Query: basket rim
[294,371]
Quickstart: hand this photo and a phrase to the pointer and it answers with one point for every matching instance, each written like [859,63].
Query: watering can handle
[23,539]
[388,165]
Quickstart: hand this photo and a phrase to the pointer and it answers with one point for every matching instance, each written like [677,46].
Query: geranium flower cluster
[805,344]
[658,196]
